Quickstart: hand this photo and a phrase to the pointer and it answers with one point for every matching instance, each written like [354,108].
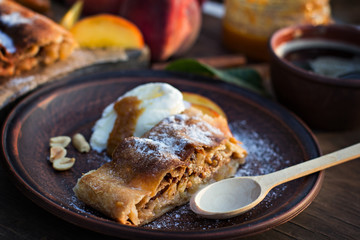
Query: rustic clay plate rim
[112,228]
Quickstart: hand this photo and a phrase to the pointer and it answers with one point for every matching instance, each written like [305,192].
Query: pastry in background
[29,40]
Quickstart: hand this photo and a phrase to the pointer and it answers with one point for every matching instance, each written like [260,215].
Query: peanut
[63,164]
[61,141]
[80,143]
[57,152]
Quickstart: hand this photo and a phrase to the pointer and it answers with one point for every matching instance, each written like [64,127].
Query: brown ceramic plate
[273,137]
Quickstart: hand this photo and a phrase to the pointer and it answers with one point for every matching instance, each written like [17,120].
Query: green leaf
[248,75]
[247,78]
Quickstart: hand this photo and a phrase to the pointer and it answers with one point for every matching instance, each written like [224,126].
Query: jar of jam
[248,24]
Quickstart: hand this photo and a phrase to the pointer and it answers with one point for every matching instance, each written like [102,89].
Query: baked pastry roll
[29,39]
[151,175]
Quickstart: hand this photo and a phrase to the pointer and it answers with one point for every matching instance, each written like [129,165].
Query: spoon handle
[311,166]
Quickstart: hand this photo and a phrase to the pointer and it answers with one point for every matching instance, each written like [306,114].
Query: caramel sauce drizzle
[128,112]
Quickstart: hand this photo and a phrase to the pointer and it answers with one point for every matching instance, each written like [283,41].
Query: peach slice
[206,110]
[105,30]
[204,104]
[220,121]
[72,15]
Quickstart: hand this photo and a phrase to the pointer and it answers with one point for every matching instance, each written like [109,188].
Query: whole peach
[169,27]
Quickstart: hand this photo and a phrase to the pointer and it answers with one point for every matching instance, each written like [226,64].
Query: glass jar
[248,24]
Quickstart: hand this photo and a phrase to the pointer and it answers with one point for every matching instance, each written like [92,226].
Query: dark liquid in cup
[303,57]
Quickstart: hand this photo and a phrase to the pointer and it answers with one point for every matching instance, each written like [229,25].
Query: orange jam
[252,46]
[128,111]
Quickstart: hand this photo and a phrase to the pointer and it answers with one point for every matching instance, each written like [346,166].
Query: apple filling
[178,185]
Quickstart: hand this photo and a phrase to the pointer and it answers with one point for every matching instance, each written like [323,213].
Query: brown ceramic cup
[325,103]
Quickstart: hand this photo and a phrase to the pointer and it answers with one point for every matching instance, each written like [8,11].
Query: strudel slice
[152,174]
[29,39]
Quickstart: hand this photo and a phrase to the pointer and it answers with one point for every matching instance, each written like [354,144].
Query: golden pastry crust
[29,39]
[151,175]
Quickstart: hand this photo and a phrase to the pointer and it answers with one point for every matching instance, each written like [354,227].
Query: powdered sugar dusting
[176,132]
[264,155]
[21,80]
[7,42]
[14,19]
[141,145]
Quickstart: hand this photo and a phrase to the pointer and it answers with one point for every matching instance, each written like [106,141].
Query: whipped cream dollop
[158,101]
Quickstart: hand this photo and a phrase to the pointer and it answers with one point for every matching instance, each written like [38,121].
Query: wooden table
[334,214]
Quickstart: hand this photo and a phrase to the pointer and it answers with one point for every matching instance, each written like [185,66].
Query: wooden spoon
[234,196]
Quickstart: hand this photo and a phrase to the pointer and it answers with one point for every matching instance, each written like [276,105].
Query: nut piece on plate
[63,164]
[61,141]
[57,152]
[80,143]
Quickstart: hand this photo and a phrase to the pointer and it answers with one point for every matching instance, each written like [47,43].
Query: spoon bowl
[229,195]
[234,196]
